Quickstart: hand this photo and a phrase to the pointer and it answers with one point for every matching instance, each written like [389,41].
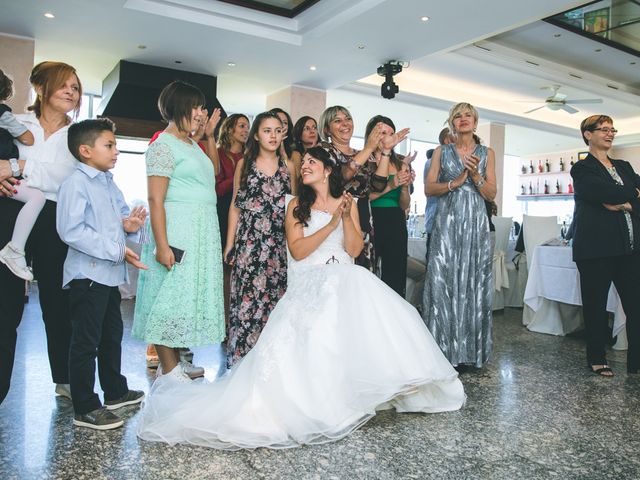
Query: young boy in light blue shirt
[94,220]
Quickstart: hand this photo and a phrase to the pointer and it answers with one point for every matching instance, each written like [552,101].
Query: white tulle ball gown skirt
[338,346]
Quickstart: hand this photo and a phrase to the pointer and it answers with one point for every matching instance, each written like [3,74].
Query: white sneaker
[186,355]
[14,259]
[191,370]
[176,374]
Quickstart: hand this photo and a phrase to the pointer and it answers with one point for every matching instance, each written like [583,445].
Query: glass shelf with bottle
[547,189]
[546,168]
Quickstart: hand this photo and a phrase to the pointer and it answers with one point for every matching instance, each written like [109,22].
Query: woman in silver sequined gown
[458,286]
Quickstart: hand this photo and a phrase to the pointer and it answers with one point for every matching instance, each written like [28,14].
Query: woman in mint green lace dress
[180,304]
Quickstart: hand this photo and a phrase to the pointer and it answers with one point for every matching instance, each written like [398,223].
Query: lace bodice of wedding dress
[331,250]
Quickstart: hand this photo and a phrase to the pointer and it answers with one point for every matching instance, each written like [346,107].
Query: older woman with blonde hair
[606,241]
[364,171]
[458,289]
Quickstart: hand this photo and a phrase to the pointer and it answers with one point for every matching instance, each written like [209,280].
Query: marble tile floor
[534,412]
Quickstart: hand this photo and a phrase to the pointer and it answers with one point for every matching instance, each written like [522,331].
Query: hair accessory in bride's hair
[333,259]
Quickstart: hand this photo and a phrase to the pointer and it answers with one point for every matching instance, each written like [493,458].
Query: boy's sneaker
[64,390]
[99,419]
[130,398]
[191,370]
[14,259]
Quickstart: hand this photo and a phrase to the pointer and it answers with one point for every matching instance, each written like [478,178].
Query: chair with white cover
[538,230]
[500,273]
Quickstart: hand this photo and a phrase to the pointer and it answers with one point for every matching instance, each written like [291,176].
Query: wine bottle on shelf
[558,187]
[524,169]
[530,189]
[572,162]
[523,190]
[561,165]
[547,167]
[530,166]
[546,188]
[570,188]
[540,167]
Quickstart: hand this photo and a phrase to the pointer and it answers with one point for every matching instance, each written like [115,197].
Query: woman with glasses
[606,241]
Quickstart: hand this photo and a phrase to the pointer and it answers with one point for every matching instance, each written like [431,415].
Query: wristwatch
[15,167]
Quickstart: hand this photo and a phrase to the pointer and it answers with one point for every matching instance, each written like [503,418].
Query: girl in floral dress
[256,246]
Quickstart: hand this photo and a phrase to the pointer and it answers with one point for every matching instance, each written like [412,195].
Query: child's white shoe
[14,259]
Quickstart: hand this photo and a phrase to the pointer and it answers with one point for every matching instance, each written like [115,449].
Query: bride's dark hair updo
[307,195]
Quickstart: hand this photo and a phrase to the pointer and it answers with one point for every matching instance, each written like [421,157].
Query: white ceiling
[272,52]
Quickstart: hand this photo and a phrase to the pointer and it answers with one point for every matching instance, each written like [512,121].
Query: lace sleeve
[378,183]
[160,160]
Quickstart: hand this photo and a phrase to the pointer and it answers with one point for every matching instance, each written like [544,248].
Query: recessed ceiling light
[313,68]
[424,18]
[142,47]
[231,64]
[558,35]
[361,47]
[177,61]
[49,15]
[598,50]
[632,63]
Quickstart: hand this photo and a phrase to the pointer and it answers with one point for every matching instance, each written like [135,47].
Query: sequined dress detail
[458,290]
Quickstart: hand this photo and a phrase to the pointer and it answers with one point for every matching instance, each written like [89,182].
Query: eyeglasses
[607,130]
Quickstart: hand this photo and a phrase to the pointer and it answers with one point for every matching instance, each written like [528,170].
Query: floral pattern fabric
[259,273]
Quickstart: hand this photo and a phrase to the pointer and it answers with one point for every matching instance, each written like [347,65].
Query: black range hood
[130,96]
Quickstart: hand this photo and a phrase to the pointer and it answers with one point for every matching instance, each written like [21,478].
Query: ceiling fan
[558,101]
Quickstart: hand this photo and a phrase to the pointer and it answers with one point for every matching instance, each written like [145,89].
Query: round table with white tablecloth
[553,292]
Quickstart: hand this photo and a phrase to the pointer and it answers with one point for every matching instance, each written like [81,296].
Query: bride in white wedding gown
[339,345]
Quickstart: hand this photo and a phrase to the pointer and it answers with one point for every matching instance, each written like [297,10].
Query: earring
[325,179]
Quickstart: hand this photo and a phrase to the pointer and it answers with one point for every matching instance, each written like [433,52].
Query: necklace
[324,208]
[464,150]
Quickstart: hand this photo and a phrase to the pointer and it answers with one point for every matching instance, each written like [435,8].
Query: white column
[299,101]
[17,54]
[492,135]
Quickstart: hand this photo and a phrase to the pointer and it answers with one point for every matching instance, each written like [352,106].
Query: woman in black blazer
[606,241]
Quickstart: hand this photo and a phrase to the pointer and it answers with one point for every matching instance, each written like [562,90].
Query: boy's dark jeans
[96,330]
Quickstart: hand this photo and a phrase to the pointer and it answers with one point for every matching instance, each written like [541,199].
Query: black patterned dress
[259,273]
[359,186]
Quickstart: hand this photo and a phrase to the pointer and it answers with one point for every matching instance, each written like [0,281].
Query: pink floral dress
[259,274]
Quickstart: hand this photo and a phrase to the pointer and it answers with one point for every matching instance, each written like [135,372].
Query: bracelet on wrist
[387,154]
[480,183]
[15,167]
[449,186]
